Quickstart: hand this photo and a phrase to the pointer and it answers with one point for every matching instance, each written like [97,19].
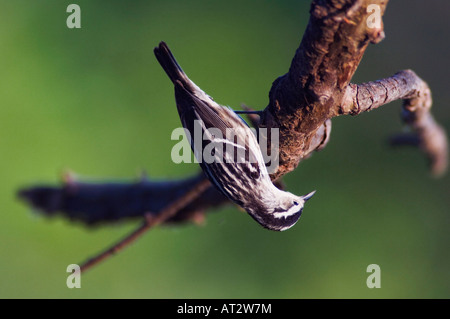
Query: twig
[406,85]
[150,221]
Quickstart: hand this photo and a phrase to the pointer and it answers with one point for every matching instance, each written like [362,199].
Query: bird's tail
[170,65]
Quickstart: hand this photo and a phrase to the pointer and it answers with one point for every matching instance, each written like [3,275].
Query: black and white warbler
[241,176]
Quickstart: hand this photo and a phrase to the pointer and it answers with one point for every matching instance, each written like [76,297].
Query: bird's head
[284,213]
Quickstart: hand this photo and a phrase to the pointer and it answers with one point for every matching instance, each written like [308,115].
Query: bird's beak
[308,196]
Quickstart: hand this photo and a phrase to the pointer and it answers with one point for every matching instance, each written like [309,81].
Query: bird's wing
[192,108]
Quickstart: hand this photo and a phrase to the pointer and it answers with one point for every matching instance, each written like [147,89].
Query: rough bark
[303,100]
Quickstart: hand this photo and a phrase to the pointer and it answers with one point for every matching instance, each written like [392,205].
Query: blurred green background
[94,100]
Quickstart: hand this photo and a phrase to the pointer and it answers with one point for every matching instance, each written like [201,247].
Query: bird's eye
[296,203]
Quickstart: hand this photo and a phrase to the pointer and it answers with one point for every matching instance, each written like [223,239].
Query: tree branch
[107,202]
[151,220]
[406,85]
[304,99]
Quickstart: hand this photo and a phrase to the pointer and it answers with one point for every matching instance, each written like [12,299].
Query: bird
[241,175]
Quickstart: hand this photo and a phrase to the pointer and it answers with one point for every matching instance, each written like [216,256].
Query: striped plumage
[243,177]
